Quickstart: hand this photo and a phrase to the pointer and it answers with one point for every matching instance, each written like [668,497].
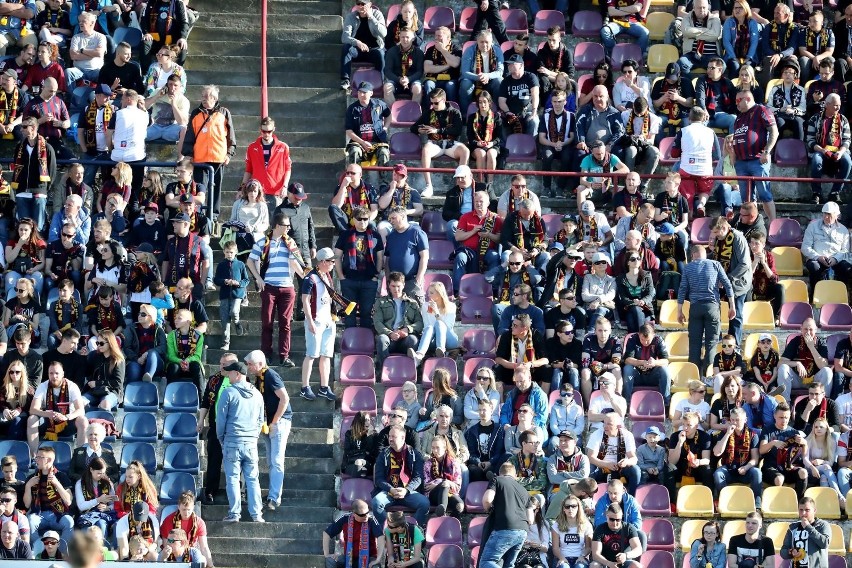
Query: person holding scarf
[783,450]
[184,346]
[403,542]
[104,313]
[556,134]
[484,135]
[481,68]
[440,130]
[57,407]
[729,248]
[176,546]
[404,68]
[737,448]
[353,192]
[612,453]
[398,193]
[442,478]
[523,232]
[359,253]
[521,344]
[33,168]
[48,498]
[641,128]
[816,44]
[715,93]
[12,104]
[828,140]
[362,539]
[95,495]
[689,453]
[478,234]
[441,64]
[399,475]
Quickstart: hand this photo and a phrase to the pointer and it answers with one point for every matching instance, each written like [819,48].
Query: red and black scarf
[60,404]
[40,150]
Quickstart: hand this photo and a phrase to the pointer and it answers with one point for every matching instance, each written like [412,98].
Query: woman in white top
[820,458]
[95,497]
[598,292]
[571,535]
[538,536]
[160,71]
[439,320]
[251,210]
[484,386]
[694,403]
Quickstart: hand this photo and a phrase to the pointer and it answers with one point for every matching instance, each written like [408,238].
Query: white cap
[462,171]
[831,207]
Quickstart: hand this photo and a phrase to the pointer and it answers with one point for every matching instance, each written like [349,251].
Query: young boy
[566,414]
[66,313]
[149,229]
[567,234]
[232,278]
[652,457]
[104,313]
[161,299]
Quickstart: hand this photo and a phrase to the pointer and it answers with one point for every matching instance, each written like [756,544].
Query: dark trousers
[796,124]
[453,504]
[823,165]
[193,374]
[339,219]
[630,473]
[774,295]
[489,20]
[351,53]
[214,186]
[213,473]
[770,472]
[363,293]
[275,301]
[704,326]
[816,272]
[701,474]
[564,157]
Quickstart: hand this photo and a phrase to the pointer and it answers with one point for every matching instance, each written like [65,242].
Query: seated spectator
[653,465]
[105,313]
[359,447]
[121,73]
[12,546]
[602,75]
[534,357]
[523,232]
[519,99]
[670,254]
[14,101]
[530,463]
[364,22]
[404,69]
[512,434]
[142,274]
[565,465]
[45,65]
[564,353]
[816,43]
[709,550]
[399,474]
[566,416]
[25,256]
[93,448]
[441,65]
[143,346]
[478,235]
[407,19]
[764,363]
[805,357]
[439,317]
[396,319]
[646,361]
[108,273]
[824,246]
[23,311]
[636,244]
[537,543]
[600,159]
[556,140]
[641,221]
[820,458]
[522,296]
[184,346]
[398,193]
[823,86]
[726,363]
[443,395]
[481,68]
[485,442]
[484,386]
[788,102]
[783,449]
[571,533]
[12,489]
[612,450]
[630,87]
[87,51]
[441,127]
[693,404]
[510,200]
[628,201]
[442,477]
[137,487]
[366,133]
[142,526]
[162,69]
[170,112]
[48,497]
[593,231]
[598,291]
[817,405]
[553,58]
[702,30]
[635,294]
[689,454]
[368,530]
[828,140]
[779,43]
[106,368]
[22,339]
[15,401]
[672,98]
[737,448]
[176,548]
[459,200]
[521,46]
[748,82]
[641,128]
[95,496]
[717,96]
[740,39]
[403,541]
[57,408]
[759,406]
[399,418]
[560,277]
[607,401]
[164,25]
[614,540]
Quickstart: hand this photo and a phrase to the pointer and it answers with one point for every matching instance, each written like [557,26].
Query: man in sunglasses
[176,549]
[268,161]
[565,466]
[614,542]
[398,417]
[64,257]
[8,507]
[363,38]
[353,192]
[357,527]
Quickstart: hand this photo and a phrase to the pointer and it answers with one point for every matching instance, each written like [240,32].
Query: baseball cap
[831,207]
[587,208]
[567,218]
[400,169]
[673,71]
[140,511]
[325,254]
[567,434]
[515,58]
[462,171]
[152,206]
[365,87]
[297,190]
[600,257]
[103,89]
[652,430]
[237,366]
[10,73]
[186,198]
[50,535]
[764,337]
[575,254]
[180,218]
[145,247]
[557,246]
[666,229]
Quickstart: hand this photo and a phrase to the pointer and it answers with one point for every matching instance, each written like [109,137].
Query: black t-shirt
[510,504]
[688,5]
[746,551]
[720,410]
[199,314]
[605,354]
[484,437]
[843,352]
[631,202]
[129,75]
[614,542]
[61,256]
[73,364]
[778,457]
[572,351]
[363,33]
[517,92]
[267,151]
[554,315]
[831,412]
[796,350]
[675,206]
[353,240]
[272,382]
[696,444]
[26,311]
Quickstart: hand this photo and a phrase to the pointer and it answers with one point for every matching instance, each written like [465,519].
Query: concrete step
[223,531]
[320,78]
[281,515]
[324,107]
[246,20]
[260,560]
[215,47]
[307,96]
[313,484]
[322,29]
[276,8]
[305,58]
[278,544]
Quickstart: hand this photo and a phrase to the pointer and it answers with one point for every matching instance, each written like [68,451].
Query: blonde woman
[740,38]
[120,182]
[485,386]
[821,456]
[406,19]
[137,486]
[748,82]
[25,256]
[23,309]
[251,210]
[411,402]
[105,372]
[16,395]
[443,394]
[439,320]
[571,535]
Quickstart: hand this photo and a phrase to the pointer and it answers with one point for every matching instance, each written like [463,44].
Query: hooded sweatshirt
[239,414]
[813,540]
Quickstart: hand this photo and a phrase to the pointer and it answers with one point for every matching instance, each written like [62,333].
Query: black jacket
[301,227]
[453,200]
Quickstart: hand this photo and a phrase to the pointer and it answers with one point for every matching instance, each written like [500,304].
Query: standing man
[806,541]
[506,502]
[700,285]
[352,192]
[34,167]
[278,418]
[273,261]
[359,255]
[407,252]
[268,161]
[556,134]
[184,258]
[753,137]
[216,384]
[316,293]
[301,230]
[239,413]
[730,249]
[128,134]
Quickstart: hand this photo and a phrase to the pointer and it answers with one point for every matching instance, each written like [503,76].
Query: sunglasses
[14,372]
[20,290]
[361,514]
[728,346]
[50,542]
[396,416]
[100,343]
[566,393]
[6,500]
[567,332]
[616,520]
[699,391]
[601,262]
[569,298]
[515,263]
[171,540]
[634,259]
[71,236]
[483,378]
[362,219]
[572,506]
[767,341]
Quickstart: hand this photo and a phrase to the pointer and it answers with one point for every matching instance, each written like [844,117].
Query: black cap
[186,198]
[145,247]
[237,366]
[140,511]
[673,71]
[180,217]
[297,190]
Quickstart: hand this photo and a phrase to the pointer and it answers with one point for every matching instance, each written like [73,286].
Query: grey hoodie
[239,414]
[814,540]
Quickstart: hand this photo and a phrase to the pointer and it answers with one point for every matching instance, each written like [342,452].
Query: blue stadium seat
[173,484]
[102,415]
[180,427]
[180,397]
[133,36]
[142,452]
[182,457]
[20,450]
[139,427]
[141,397]
[63,454]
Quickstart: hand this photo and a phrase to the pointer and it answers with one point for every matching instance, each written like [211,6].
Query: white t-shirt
[122,527]
[702,408]
[696,146]
[572,542]
[600,405]
[844,407]
[128,138]
[596,438]
[41,393]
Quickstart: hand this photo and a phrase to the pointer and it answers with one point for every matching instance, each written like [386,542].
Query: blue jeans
[656,377]
[445,337]
[276,448]
[690,60]
[153,366]
[450,87]
[839,169]
[72,75]
[634,318]
[502,548]
[593,315]
[631,473]
[762,190]
[722,120]
[844,480]
[467,262]
[90,172]
[612,30]
[557,379]
[95,401]
[33,207]
[412,500]
[170,133]
[727,197]
[735,326]
[241,458]
[723,477]
[450,232]
[363,293]
[45,521]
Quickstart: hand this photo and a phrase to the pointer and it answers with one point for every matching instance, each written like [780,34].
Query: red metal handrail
[264,98]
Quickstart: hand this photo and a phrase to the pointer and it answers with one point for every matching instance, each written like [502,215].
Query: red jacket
[273,174]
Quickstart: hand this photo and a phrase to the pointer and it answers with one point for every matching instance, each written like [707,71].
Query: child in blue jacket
[232,278]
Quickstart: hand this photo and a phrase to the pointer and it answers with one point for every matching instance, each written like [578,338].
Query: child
[161,299]
[566,84]
[149,229]
[726,363]
[66,313]
[566,414]
[567,236]
[143,273]
[232,278]
[104,314]
[652,457]
[51,551]
[764,363]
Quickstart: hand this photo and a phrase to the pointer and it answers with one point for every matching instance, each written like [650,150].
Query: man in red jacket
[268,161]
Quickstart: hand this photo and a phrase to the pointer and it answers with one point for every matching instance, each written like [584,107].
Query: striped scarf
[536,231]
[58,403]
[484,241]
[831,131]
[352,252]
[620,451]
[354,200]
[478,62]
[153,19]
[9,106]
[363,543]
[18,165]
[91,121]
[738,450]
[777,42]
[176,521]
[484,132]
[529,350]
[505,288]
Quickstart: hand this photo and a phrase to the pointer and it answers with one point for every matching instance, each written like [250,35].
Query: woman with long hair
[45,65]
[251,210]
[109,270]
[740,39]
[731,398]
[748,82]
[16,396]
[184,346]
[484,386]
[484,128]
[602,75]
[359,447]
[119,181]
[442,478]
[95,496]
[709,551]
[534,551]
[137,486]
[23,310]
[443,394]
[153,191]
[164,67]
[821,457]
[439,321]
[143,345]
[407,19]
[571,535]
[25,256]
[635,294]
[105,372]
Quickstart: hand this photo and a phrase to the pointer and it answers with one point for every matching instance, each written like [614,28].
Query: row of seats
[140,396]
[758,315]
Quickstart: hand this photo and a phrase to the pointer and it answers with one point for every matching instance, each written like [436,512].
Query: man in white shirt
[128,131]
[694,145]
[64,410]
[87,51]
[825,246]
[171,112]
[612,450]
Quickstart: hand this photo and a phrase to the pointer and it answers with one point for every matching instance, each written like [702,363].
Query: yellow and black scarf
[479,67]
[529,350]
[831,131]
[9,106]
[738,450]
[724,250]
[620,451]
[483,126]
[18,165]
[505,288]
[103,487]
[91,121]
[646,124]
[555,134]
[484,241]
[777,42]
[536,231]
[60,404]
[816,42]
[59,309]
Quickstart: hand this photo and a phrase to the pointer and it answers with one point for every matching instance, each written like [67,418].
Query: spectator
[816,44]
[12,546]
[564,353]
[15,401]
[87,51]
[184,346]
[137,487]
[672,98]
[353,192]
[140,525]
[622,16]
[442,128]
[553,58]
[14,101]
[251,209]
[689,453]
[47,496]
[599,190]
[621,539]
[759,406]
[729,247]
[164,25]
[399,474]
[702,30]
[45,66]
[170,112]
[646,361]
[737,450]
[268,161]
[358,272]
[779,42]
[828,140]
[95,495]
[754,136]
[709,550]
[232,277]
[652,458]
[804,357]
[34,165]
[478,234]
[567,464]
[484,134]
[484,387]
[519,98]
[485,442]
[441,65]
[317,298]
[808,537]
[748,82]
[556,139]
[397,319]
[823,86]
[783,448]
[216,385]
[406,19]
[368,530]
[612,449]
[820,458]
[439,317]
[367,121]
[816,406]
[750,548]
[561,277]
[506,502]
[637,144]
[843,47]
[182,186]
[522,327]
[121,73]
[571,534]
[403,70]
[825,243]
[398,194]
[106,370]
[740,38]
[523,232]
[442,475]
[49,405]
[716,95]
[482,66]
[365,22]
[162,68]
[93,448]
[695,404]
[359,447]
[178,549]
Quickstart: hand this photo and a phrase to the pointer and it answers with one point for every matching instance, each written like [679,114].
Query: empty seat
[552,223]
[700,232]
[788,262]
[479,343]
[404,146]
[830,292]
[660,55]
[660,533]
[439,16]
[473,498]
[668,314]
[173,484]
[180,397]
[780,503]
[434,226]
[474,531]
[657,24]
[445,556]
[587,54]
[130,35]
[835,317]
[776,531]
[393,12]
[439,255]
[62,462]
[369,75]
[354,488]
[357,370]
[653,499]
[784,232]
[467,20]
[139,427]
[837,544]
[521,148]
[682,372]
[587,23]
[758,315]
[357,341]
[647,405]
[545,19]
[405,113]
[443,530]
[795,290]
[142,452]
[831,343]
[732,528]
[516,21]
[180,427]
[794,313]
[624,51]
[397,369]
[689,531]
[474,285]
[658,559]
[826,501]
[358,398]
[677,344]
[666,145]
[476,310]
[736,501]
[695,501]
[791,153]
[429,366]
[140,396]
[182,457]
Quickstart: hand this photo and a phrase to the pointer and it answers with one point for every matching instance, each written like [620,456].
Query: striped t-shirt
[278,274]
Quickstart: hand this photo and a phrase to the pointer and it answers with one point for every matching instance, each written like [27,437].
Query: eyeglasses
[361,514]
[50,542]
[728,345]
[14,372]
[396,416]
[520,186]
[699,391]
[600,262]
[20,290]
[172,540]
[569,298]
[362,218]
[566,393]
[614,520]
[71,236]
[100,343]
[634,259]
[7,499]
[571,506]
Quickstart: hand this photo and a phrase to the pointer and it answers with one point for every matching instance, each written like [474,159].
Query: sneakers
[415,355]
[439,352]
[147,378]
[327,393]
[231,519]
[775,391]
[258,519]
[708,381]
[271,505]
[345,84]
[238,327]
[287,362]
[225,346]
[307,393]
[758,502]
[207,499]
[834,196]
[428,191]
[210,286]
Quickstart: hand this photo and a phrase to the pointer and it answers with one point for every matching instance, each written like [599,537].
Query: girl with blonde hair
[571,552]
[439,321]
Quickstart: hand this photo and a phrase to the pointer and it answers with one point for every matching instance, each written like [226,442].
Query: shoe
[345,84]
[729,214]
[700,212]
[415,355]
[439,352]
[225,346]
[231,519]
[299,316]
[207,499]
[428,191]
[271,505]
[834,196]
[307,393]
[287,362]
[440,511]
[258,519]
[327,393]
[776,391]
[239,328]
[147,378]
[816,199]
[211,287]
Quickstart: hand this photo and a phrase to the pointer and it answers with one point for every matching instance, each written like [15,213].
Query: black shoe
[287,362]
[238,326]
[299,316]
[206,499]
[834,196]
[816,199]
[344,85]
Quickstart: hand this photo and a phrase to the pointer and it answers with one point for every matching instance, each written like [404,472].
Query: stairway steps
[283,544]
[260,560]
[311,77]
[313,59]
[248,107]
[278,7]
[246,21]
[323,32]
[218,47]
[292,530]
[310,97]
[282,514]
[311,484]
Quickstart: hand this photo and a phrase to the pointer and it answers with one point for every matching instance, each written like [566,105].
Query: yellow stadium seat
[695,501]
[771,85]
[795,291]
[827,502]
[837,544]
[750,345]
[662,3]
[788,262]
[683,372]
[735,501]
[808,85]
[689,532]
[723,310]
[677,344]
[657,24]
[829,292]
[731,529]
[676,398]
[776,532]
[780,503]
[668,314]
[660,55]
[758,315]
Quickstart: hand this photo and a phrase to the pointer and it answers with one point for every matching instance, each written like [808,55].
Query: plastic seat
[101,415]
[545,19]
[445,556]
[405,146]
[62,462]
[130,35]
[695,501]
[552,223]
[677,344]
[700,232]
[358,398]
[682,372]
[582,80]
[474,531]
[431,277]
[473,498]
[835,317]
[479,343]
[735,501]
[471,367]
[666,157]
[474,284]
[647,405]
[732,528]
[393,12]
[173,484]
[139,427]
[180,397]
[467,19]
[587,55]
[432,363]
[660,534]
[434,226]
[180,427]
[689,531]
[657,24]
[141,397]
[368,74]
[794,313]
[521,148]
[750,344]
[397,369]
[624,51]
[831,343]
[660,55]
[788,262]
[826,501]
[587,23]
[516,21]
[182,457]
[776,531]
[354,488]
[780,503]
[639,426]
[675,399]
[405,113]
[476,310]
[357,370]
[165,512]
[654,500]
[668,314]
[438,16]
[658,559]
[392,396]
[830,292]
[474,557]
[785,232]
[837,544]
[794,290]
[357,341]
[758,315]
[791,153]
[143,452]
[835,560]
[443,530]
[439,255]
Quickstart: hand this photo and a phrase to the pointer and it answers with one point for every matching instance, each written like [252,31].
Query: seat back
[794,313]
[668,314]
[700,232]
[370,75]
[476,310]
[826,501]
[479,343]
[791,153]
[443,530]
[180,427]
[357,341]
[780,503]
[173,484]
[677,344]
[392,396]
[660,55]
[624,51]
[139,427]
[758,315]
[587,54]
[835,316]
[358,398]
[397,369]
[474,531]
[736,501]
[438,16]
[143,452]
[182,457]
[682,372]
[439,255]
[689,531]
[467,19]
[657,24]
[181,397]
[473,498]
[405,112]
[140,396]
[62,461]
[647,405]
[695,501]
[830,292]
[788,262]
[434,363]
[587,23]
[784,232]
[405,146]
[521,148]
[471,366]
[545,19]
[653,498]
[357,369]
[474,284]
[660,533]
[515,20]
[732,528]
[658,559]
[130,35]
[433,225]
[432,277]
[352,489]
[445,556]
